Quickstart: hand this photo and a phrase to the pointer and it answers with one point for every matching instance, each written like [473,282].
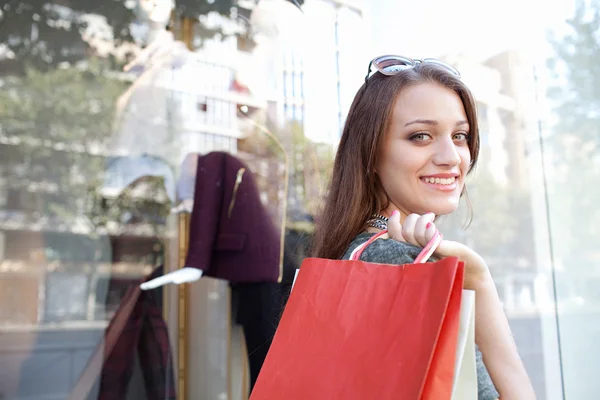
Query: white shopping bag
[465,373]
[295,276]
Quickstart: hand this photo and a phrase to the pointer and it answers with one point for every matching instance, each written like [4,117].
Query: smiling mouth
[440,181]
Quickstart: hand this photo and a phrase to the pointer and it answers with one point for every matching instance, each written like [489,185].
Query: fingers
[408,228]
[395,227]
[423,224]
[416,229]
[430,231]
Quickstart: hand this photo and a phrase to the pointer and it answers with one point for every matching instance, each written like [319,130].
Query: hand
[419,230]
[177,277]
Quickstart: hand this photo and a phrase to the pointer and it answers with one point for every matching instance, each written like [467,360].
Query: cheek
[465,156]
[402,159]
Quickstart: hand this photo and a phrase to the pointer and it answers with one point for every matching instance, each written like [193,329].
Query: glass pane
[570,79]
[113,115]
[108,114]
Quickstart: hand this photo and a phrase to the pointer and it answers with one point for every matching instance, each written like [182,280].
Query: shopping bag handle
[423,256]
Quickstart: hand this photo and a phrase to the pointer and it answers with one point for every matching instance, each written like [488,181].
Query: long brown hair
[355,191]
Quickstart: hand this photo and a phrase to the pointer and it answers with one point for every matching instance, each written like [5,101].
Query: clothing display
[232,236]
[145,333]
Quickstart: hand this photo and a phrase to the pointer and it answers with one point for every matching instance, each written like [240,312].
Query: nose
[446,153]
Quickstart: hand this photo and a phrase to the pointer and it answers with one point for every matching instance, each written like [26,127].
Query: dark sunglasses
[391,65]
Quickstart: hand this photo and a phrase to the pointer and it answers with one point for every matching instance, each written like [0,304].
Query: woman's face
[425,155]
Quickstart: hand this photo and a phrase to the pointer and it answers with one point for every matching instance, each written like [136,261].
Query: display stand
[183,225]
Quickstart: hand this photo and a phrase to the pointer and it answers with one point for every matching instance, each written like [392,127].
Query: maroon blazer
[232,236]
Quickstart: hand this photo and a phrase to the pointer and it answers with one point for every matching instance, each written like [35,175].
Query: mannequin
[233,238]
[186,195]
[262,19]
[255,293]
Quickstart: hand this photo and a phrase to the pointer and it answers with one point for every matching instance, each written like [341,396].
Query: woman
[410,139]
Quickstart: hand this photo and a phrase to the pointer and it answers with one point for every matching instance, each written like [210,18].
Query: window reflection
[102,106]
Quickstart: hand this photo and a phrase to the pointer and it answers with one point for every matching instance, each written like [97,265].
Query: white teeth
[441,181]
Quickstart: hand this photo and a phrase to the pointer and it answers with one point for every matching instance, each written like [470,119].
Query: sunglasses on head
[391,65]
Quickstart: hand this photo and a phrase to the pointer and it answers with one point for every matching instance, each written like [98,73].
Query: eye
[461,137]
[420,137]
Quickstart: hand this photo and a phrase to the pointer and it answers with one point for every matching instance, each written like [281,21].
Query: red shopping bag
[355,330]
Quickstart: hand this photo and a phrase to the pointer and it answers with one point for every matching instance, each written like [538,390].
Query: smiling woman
[410,139]
[401,128]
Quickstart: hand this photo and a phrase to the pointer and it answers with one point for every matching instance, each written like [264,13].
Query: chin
[443,209]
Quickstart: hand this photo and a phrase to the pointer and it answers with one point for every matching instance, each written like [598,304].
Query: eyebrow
[432,122]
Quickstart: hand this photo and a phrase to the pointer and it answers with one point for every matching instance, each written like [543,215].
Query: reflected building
[314,85]
[307,88]
[335,69]
[67,267]
[82,220]
[517,83]
[504,197]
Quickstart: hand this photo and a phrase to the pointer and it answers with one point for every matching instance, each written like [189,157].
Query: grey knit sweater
[388,251]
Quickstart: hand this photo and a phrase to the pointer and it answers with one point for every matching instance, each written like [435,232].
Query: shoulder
[383,251]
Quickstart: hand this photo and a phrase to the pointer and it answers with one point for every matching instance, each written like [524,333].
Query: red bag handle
[423,256]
